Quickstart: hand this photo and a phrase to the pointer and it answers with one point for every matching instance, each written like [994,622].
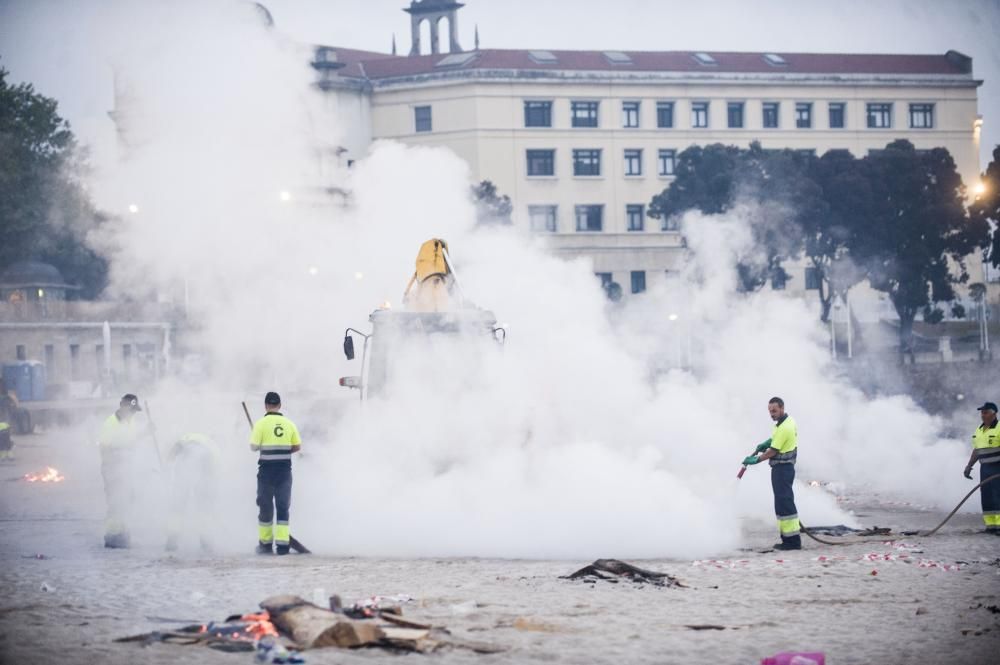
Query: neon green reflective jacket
[987,441]
[117,433]
[785,439]
[275,434]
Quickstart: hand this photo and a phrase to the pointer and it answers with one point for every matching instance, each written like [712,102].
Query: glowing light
[672,317]
[41,293]
[133,208]
[980,188]
[313,270]
[359,276]
[387,305]
[50,475]
[285,195]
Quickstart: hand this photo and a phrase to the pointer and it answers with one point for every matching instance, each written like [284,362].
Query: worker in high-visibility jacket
[117,442]
[193,464]
[781,451]
[986,451]
[276,438]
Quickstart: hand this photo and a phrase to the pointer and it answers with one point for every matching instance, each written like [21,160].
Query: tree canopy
[986,206]
[896,217]
[491,207]
[45,212]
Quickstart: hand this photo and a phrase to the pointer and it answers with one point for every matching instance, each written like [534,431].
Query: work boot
[789,544]
[264,548]
[281,550]
[116,540]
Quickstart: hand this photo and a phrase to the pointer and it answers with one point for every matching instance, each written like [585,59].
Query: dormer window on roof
[457,59]
[618,58]
[705,59]
[775,60]
[543,57]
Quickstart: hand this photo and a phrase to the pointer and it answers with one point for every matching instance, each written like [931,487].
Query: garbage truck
[437,325]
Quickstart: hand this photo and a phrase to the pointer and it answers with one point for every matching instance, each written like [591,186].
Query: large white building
[582,140]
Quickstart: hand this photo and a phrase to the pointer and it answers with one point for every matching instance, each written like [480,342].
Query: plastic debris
[269,650]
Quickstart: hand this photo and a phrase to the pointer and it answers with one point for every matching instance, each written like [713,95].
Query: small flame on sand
[50,475]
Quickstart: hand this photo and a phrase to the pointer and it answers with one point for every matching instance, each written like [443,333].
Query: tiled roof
[379,66]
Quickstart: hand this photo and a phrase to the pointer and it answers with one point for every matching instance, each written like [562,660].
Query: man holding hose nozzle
[780,452]
[986,449]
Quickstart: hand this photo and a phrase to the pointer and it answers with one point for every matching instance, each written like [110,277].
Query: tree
[491,208]
[716,178]
[985,209]
[44,210]
[921,232]
[833,228]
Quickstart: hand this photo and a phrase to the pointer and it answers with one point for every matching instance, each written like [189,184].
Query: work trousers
[118,470]
[274,495]
[989,495]
[782,477]
[6,443]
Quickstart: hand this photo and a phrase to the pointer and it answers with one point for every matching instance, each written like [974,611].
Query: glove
[763,446]
[751,460]
[968,472]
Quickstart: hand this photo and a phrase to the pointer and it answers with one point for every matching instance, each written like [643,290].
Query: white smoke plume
[597,430]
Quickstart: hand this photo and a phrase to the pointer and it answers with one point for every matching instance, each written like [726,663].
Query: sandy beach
[912,600]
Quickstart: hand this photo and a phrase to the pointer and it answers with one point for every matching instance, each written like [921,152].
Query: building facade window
[734,114]
[837,115]
[921,116]
[541,162]
[589,217]
[633,162]
[630,115]
[20,352]
[638,281]
[635,216]
[584,114]
[778,280]
[671,223]
[803,115]
[770,114]
[665,115]
[586,162]
[605,277]
[699,115]
[812,279]
[543,218]
[74,362]
[665,162]
[537,114]
[879,115]
[422,118]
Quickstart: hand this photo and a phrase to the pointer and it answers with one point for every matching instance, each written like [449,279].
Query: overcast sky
[42,41]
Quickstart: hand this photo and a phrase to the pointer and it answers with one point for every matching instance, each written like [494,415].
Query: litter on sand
[615,571]
[287,624]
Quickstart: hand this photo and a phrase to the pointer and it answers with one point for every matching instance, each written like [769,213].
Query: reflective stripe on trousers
[782,477]
[274,499]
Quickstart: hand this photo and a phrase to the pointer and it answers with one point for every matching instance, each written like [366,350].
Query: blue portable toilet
[26,378]
[38,379]
[17,377]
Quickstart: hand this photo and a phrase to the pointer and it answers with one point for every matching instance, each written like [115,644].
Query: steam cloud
[584,437]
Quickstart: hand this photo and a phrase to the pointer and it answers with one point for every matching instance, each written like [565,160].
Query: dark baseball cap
[130,401]
[272,399]
[988,406]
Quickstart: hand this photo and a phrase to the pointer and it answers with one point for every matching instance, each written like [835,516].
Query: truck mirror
[349,347]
